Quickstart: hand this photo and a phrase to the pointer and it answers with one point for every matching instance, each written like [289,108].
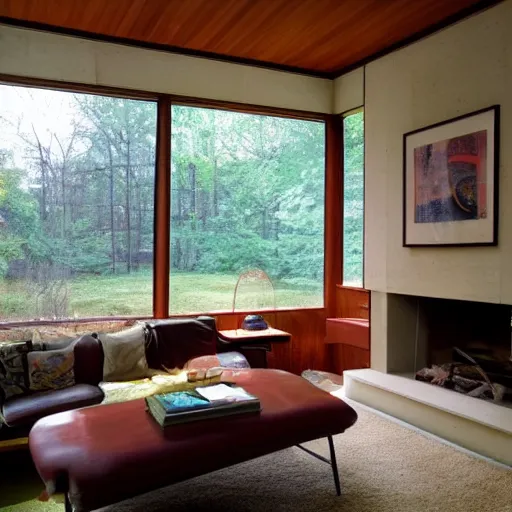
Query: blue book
[179,401]
[209,402]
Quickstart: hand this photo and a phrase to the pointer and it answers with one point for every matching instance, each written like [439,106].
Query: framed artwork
[451,182]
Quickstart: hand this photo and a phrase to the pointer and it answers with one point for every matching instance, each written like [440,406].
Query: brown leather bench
[104,454]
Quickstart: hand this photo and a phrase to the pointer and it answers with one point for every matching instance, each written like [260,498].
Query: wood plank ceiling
[318,37]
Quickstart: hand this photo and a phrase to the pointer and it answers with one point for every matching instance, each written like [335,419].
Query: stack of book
[201,403]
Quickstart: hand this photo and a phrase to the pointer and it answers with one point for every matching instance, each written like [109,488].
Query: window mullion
[162,210]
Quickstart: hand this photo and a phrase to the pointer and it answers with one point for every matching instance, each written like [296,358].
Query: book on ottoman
[201,403]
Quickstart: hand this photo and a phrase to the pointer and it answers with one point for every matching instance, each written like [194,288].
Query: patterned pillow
[51,369]
[13,376]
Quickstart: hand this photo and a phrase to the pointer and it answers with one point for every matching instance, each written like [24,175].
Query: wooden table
[254,345]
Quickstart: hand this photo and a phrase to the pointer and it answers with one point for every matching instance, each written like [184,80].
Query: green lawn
[131,294]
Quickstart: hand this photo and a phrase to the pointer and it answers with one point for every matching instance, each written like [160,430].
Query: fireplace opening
[468,348]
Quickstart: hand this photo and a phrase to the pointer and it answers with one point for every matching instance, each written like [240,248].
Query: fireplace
[409,333]
[438,341]
[468,347]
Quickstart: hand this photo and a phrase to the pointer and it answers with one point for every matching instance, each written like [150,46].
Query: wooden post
[161,243]
[333,211]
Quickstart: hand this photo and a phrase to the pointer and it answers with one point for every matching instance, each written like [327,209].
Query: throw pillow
[13,377]
[51,340]
[51,369]
[51,333]
[124,354]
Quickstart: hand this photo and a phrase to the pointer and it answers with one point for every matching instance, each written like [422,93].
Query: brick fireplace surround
[407,335]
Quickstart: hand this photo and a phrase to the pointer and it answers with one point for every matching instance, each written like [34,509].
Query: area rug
[384,467]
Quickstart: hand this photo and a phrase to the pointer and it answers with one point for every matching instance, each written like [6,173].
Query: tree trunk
[63,187]
[43,183]
[112,222]
[192,253]
[128,216]
[215,190]
[139,228]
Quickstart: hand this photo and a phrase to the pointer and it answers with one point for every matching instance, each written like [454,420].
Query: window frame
[161,253]
[343,116]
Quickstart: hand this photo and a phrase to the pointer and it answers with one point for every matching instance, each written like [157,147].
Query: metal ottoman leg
[334,465]
[332,462]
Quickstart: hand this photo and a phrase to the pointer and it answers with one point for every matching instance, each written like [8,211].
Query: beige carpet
[384,467]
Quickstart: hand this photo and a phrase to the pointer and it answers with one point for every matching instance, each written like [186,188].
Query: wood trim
[43,83]
[248,108]
[364,177]
[352,302]
[353,111]
[11,325]
[161,260]
[333,214]
[43,27]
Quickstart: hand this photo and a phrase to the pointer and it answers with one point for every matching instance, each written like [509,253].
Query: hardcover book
[201,403]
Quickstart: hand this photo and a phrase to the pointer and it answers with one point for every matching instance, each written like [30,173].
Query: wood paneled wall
[352,302]
[306,349]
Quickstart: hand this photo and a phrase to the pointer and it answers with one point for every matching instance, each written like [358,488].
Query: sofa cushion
[28,409]
[13,369]
[51,369]
[124,354]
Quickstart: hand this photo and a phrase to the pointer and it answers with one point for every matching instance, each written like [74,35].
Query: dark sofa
[168,344]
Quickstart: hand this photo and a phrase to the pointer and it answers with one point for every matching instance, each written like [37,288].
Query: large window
[77,207]
[353,199]
[76,204]
[247,197]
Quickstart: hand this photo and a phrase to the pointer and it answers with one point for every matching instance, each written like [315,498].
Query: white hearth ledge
[475,424]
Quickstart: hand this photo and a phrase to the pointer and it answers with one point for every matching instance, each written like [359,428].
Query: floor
[384,467]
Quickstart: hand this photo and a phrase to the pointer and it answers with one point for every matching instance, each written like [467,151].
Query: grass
[131,294]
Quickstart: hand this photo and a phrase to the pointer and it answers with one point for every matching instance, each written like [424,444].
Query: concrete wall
[43,55]
[465,67]
[348,91]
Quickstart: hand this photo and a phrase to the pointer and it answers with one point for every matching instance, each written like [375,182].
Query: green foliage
[132,294]
[353,200]
[246,191]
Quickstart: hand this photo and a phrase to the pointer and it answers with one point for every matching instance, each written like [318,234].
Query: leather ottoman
[104,454]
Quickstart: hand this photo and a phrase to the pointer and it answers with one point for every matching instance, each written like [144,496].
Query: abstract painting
[450,181]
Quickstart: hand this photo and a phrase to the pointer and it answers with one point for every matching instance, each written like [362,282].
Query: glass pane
[353,199]
[247,206]
[76,204]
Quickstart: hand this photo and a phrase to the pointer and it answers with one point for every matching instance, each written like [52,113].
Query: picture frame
[451,182]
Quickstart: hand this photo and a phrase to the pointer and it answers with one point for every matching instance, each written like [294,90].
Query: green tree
[353,199]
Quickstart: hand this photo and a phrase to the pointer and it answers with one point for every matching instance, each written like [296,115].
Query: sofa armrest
[171,343]
[88,360]
[225,360]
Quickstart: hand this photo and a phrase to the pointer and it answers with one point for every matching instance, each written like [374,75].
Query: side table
[254,345]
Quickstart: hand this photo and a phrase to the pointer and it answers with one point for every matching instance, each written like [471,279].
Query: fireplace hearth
[468,347]
[410,333]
